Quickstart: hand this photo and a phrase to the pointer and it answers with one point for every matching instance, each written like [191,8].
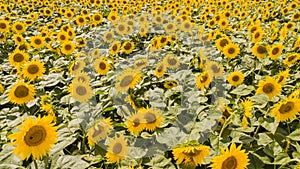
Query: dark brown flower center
[230,163]
[286,108]
[98,129]
[136,122]
[33,69]
[127,46]
[21,91]
[236,78]
[150,118]
[223,42]
[268,88]
[291,58]
[81,90]
[18,57]
[172,61]
[102,66]
[275,51]
[231,50]
[68,47]
[215,68]
[261,49]
[192,153]
[126,81]
[203,78]
[3,25]
[19,27]
[37,41]
[117,149]
[35,136]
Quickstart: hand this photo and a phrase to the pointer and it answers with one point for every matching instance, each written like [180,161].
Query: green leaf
[159,161]
[243,90]
[263,139]
[68,161]
[260,100]
[281,158]
[270,124]
[295,135]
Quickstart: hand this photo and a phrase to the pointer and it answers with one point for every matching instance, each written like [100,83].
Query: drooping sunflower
[81,91]
[203,80]
[275,51]
[128,79]
[102,66]
[171,61]
[37,41]
[33,69]
[127,47]
[269,87]
[214,69]
[233,158]
[82,77]
[68,47]
[136,123]
[108,36]
[291,59]
[115,48]
[99,131]
[160,69]
[140,63]
[259,50]
[117,149]
[282,76]
[21,93]
[35,138]
[248,106]
[286,109]
[222,42]
[231,50]
[151,117]
[18,58]
[77,66]
[191,154]
[169,84]
[235,78]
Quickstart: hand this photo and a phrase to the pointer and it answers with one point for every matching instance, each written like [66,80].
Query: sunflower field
[162,84]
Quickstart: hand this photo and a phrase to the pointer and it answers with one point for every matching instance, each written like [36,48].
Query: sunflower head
[128,79]
[171,61]
[151,118]
[269,87]
[34,69]
[117,149]
[99,131]
[102,66]
[235,78]
[286,109]
[21,93]
[81,91]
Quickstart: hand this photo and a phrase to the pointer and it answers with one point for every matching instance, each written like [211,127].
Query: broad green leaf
[243,90]
[295,135]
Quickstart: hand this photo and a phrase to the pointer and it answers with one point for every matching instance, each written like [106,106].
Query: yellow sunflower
[222,42]
[214,69]
[117,149]
[18,58]
[1,88]
[82,77]
[140,63]
[136,123]
[191,155]
[62,37]
[269,87]
[121,28]
[108,37]
[34,69]
[170,27]
[128,79]
[21,93]
[35,138]
[127,47]
[282,76]
[102,66]
[80,91]
[231,50]
[77,66]
[151,117]
[275,50]
[234,158]
[257,36]
[203,80]
[160,69]
[4,25]
[235,78]
[286,109]
[37,41]
[171,61]
[115,48]
[169,84]
[291,59]
[68,47]
[259,50]
[19,27]
[18,38]
[99,131]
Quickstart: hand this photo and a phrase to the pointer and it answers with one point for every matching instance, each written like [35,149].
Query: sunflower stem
[35,164]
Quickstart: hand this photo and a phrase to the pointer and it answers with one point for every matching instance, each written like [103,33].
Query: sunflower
[235,78]
[269,87]
[203,80]
[160,69]
[108,37]
[115,48]
[97,18]
[214,69]
[99,131]
[36,137]
[187,26]
[18,58]
[68,47]
[248,106]
[81,91]
[171,61]
[259,50]
[275,51]
[80,20]
[140,63]
[296,16]
[170,27]
[37,42]
[282,76]
[121,28]
[151,117]
[234,158]
[117,149]
[231,50]
[127,47]
[62,37]
[222,42]
[77,66]
[4,26]
[136,123]
[128,79]
[19,27]
[286,109]
[113,17]
[21,93]
[257,36]
[34,69]
[291,59]
[191,154]
[1,88]
[18,38]
[82,77]
[169,84]
[101,66]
